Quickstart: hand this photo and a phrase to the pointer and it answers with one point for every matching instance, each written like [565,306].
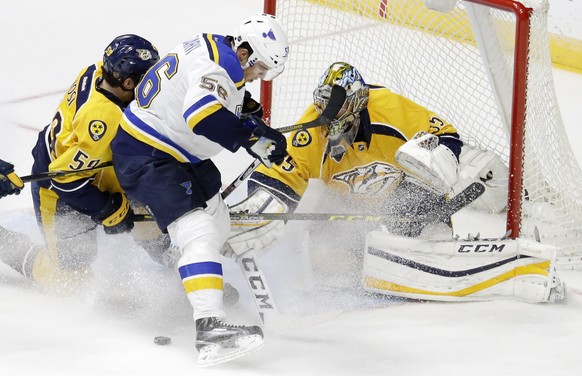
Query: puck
[162,341]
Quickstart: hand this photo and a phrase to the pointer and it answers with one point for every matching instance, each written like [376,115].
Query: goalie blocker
[461,270]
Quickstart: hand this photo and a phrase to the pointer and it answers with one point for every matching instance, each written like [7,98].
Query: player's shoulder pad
[220,52]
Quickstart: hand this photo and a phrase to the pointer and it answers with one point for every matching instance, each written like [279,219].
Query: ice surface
[109,327]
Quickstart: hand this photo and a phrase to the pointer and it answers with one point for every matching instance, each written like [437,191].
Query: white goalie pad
[460,270]
[257,234]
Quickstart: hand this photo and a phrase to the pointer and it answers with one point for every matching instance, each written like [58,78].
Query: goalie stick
[268,313]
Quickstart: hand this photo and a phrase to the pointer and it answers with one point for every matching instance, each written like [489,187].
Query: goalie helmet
[267,41]
[129,55]
[342,131]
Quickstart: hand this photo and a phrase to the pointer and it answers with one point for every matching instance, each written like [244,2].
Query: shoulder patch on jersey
[97,129]
[302,138]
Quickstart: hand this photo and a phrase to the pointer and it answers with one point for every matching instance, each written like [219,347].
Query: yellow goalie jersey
[78,138]
[369,167]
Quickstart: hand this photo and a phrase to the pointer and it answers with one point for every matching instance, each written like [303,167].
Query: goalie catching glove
[255,234]
[265,143]
[487,168]
[424,157]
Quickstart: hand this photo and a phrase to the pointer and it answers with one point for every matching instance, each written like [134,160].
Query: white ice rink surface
[108,329]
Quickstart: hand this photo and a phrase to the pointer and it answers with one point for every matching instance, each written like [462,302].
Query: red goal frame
[518,117]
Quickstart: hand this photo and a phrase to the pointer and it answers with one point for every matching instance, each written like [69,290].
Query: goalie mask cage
[485,66]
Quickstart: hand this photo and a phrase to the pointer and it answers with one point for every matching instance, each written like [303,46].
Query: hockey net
[485,66]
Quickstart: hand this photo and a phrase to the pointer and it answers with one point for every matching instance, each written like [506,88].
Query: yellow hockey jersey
[83,126]
[369,167]
[79,137]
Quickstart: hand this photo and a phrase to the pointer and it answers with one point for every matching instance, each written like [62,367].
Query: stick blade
[336,101]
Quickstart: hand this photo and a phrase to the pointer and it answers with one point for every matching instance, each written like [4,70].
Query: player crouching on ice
[386,155]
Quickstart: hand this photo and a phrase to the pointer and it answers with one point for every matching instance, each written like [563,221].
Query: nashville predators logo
[97,129]
[145,55]
[372,179]
[302,138]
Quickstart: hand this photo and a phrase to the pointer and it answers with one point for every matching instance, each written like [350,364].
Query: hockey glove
[265,143]
[256,234]
[251,107]
[486,167]
[116,216]
[10,183]
[424,157]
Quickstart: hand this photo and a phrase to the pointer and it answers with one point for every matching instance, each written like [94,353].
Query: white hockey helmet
[267,40]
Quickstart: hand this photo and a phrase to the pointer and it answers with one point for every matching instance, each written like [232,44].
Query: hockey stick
[56,174]
[336,101]
[257,285]
[242,177]
[464,198]
[268,313]
[337,98]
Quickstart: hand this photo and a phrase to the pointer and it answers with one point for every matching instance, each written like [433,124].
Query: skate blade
[215,354]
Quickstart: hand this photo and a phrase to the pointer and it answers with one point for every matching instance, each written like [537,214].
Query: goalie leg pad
[259,235]
[460,270]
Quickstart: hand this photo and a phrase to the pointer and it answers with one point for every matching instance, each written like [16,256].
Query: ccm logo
[256,283]
[480,248]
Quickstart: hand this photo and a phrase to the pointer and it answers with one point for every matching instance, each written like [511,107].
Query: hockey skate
[218,342]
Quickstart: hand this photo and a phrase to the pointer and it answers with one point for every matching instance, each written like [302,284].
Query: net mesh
[459,64]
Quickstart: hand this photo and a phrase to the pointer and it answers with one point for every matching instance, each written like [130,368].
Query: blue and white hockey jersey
[188,104]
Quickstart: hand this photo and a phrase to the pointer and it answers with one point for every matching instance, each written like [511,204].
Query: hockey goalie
[385,155]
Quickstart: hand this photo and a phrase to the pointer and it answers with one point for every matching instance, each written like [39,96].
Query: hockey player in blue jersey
[187,109]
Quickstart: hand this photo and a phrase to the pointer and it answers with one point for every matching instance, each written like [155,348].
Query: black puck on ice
[162,341]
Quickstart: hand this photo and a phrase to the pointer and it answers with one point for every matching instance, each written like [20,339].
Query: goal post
[484,65]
